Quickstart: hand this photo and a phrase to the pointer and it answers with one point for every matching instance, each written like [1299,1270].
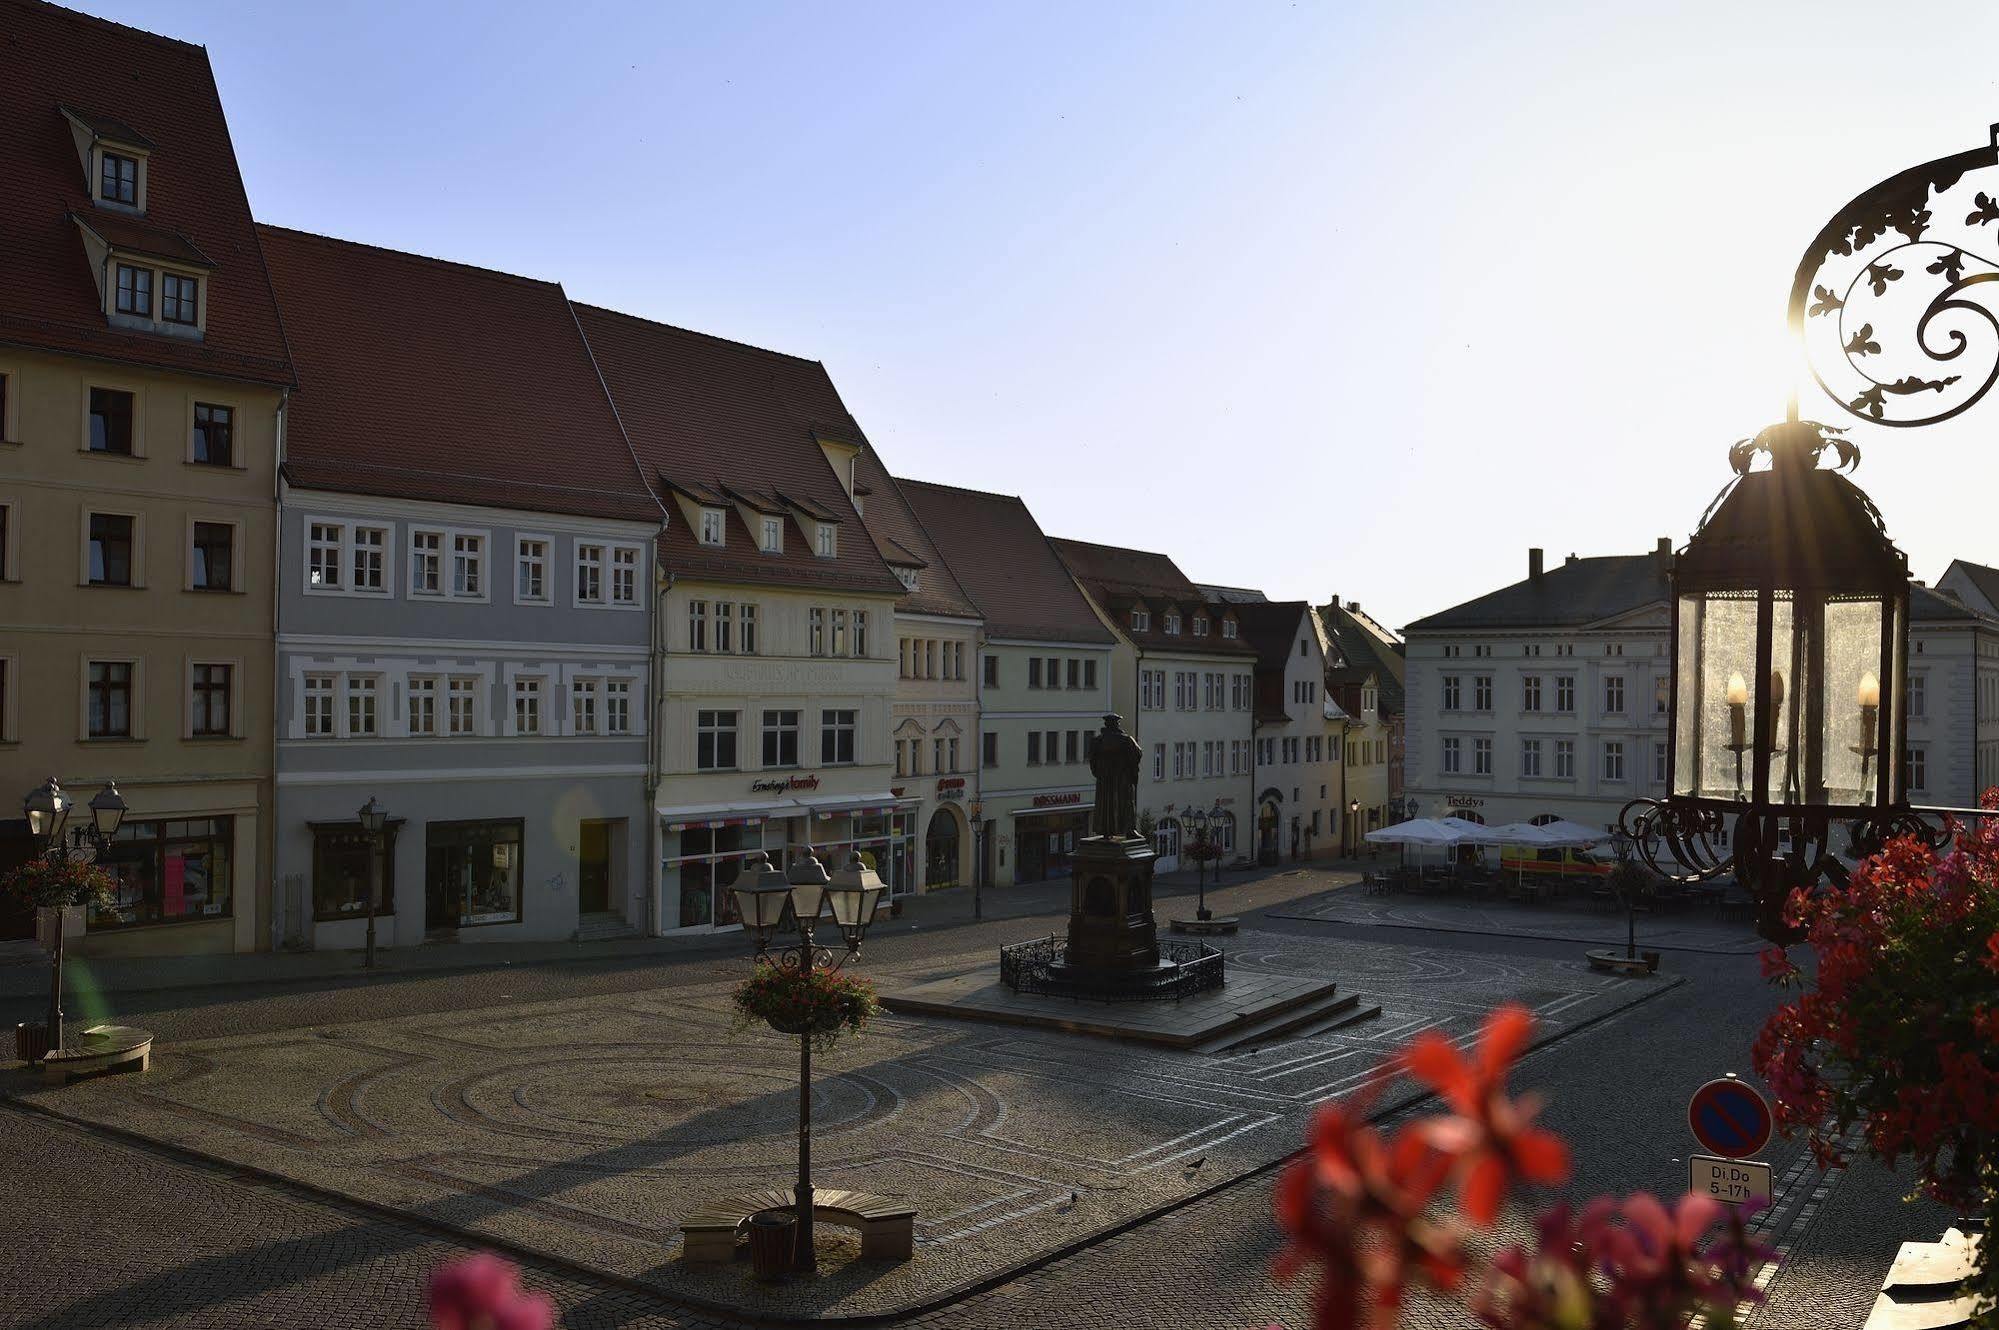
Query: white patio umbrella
[1529,836]
[1419,832]
[1573,834]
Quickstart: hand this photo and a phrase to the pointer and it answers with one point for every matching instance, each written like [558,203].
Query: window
[1565,759]
[990,666]
[426,562]
[624,575]
[1918,697]
[164,872]
[1481,692]
[467,563]
[711,526]
[1613,759]
[1658,764]
[748,634]
[815,631]
[1452,695]
[836,737]
[343,859]
[209,710]
[583,706]
[118,178]
[1565,694]
[714,740]
[861,644]
[1141,621]
[1034,748]
[780,739]
[480,866]
[361,691]
[827,540]
[1613,694]
[839,640]
[773,535]
[937,755]
[214,434]
[319,705]
[1530,757]
[1173,623]
[111,421]
[423,706]
[1453,758]
[1481,757]
[371,545]
[617,706]
[1075,670]
[531,569]
[322,554]
[1228,628]
[1090,673]
[989,749]
[589,574]
[1660,690]
[1200,625]
[110,549]
[180,298]
[464,716]
[1072,746]
[1530,692]
[135,291]
[1915,768]
[1034,671]
[110,699]
[527,705]
[214,556]
[725,626]
[1159,761]
[697,625]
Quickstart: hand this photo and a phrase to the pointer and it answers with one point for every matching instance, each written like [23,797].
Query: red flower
[1778,967]
[1492,1136]
[483,1292]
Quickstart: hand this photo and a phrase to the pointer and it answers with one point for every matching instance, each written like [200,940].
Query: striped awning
[725,815]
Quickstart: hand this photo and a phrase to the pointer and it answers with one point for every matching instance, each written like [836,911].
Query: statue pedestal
[1110,906]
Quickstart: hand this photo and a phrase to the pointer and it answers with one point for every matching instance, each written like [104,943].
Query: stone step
[1324,1011]
[603,927]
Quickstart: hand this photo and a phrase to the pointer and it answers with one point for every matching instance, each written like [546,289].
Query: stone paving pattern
[1684,928]
[102,1232]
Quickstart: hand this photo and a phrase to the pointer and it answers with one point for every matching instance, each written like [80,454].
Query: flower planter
[817,1023]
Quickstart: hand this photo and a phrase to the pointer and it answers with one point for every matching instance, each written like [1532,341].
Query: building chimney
[1534,563]
[1571,559]
[1353,607]
[1666,546]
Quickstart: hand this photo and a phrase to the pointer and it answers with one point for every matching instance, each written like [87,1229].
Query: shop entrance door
[941,849]
[593,867]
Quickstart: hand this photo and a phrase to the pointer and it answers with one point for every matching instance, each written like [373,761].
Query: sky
[1357,299]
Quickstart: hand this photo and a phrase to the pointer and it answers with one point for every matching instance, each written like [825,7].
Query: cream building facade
[1300,740]
[143,380]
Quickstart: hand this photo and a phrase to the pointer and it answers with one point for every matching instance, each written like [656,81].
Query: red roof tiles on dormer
[63,69]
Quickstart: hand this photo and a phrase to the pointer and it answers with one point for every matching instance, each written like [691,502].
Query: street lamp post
[977,810]
[374,817]
[1353,827]
[47,810]
[851,896]
[1197,823]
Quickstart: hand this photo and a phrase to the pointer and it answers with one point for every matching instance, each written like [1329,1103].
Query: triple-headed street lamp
[807,894]
[374,817]
[1204,824]
[47,810]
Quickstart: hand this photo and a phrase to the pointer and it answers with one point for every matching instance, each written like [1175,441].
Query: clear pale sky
[1346,297]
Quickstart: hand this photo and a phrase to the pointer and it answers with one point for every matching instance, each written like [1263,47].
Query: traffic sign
[1736,1181]
[1729,1118]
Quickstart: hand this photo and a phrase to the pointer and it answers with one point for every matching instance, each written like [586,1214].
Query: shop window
[709,862]
[167,872]
[341,855]
[472,873]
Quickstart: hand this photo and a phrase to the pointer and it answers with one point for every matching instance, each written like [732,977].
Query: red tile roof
[149,86]
[1000,557]
[903,540]
[1119,579]
[422,379]
[706,412]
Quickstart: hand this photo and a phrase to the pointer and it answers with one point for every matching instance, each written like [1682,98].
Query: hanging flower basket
[55,881]
[824,1004]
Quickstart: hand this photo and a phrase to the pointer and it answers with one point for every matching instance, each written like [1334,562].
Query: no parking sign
[1729,1118]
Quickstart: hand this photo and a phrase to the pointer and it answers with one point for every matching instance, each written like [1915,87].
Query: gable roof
[997,553]
[900,535]
[1360,648]
[411,385]
[150,92]
[1984,580]
[704,411]
[1930,606]
[1271,627]
[1119,579]
[1577,592]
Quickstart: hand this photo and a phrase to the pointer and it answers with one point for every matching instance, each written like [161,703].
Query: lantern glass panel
[1793,657]
[1717,703]
[1854,691]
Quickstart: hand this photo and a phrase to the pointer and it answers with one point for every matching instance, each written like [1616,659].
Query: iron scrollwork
[1893,299]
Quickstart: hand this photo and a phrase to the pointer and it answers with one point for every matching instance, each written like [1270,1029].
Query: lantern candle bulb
[1738,711]
[1869,697]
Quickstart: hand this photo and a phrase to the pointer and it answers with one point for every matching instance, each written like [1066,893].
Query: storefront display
[886,842]
[472,873]
[170,871]
[341,855]
[708,862]
[1047,843]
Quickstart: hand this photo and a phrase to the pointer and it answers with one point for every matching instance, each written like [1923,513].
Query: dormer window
[827,537]
[1228,628]
[773,535]
[1173,623]
[711,526]
[907,576]
[1141,620]
[180,298]
[118,178]
[1200,625]
[135,291]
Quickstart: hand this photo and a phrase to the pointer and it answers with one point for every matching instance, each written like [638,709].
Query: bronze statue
[1115,761]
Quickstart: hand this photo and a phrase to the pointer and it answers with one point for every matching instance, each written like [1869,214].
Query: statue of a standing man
[1114,761]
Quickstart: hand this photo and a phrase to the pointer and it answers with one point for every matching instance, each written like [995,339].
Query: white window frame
[433,558]
[772,538]
[625,563]
[827,541]
[542,563]
[1613,748]
[528,692]
[1565,759]
[585,705]
[714,529]
[471,692]
[328,695]
[468,566]
[420,687]
[592,556]
[618,706]
[357,686]
[1530,759]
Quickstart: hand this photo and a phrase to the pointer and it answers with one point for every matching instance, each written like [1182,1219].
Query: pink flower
[483,1292]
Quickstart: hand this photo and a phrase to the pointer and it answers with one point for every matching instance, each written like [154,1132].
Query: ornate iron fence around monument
[1034,967]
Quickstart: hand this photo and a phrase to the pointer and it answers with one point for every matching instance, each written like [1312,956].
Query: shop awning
[725,815]
[832,805]
[1051,808]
